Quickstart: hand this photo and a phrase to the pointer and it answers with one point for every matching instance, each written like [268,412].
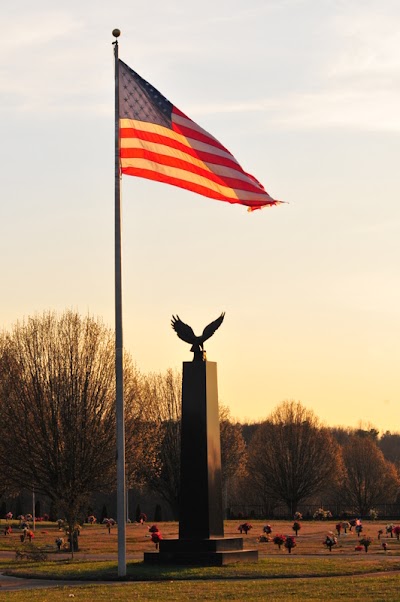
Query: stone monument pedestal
[201,525]
[204,552]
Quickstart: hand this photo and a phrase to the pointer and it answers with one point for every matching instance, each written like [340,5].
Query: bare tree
[291,457]
[161,468]
[141,430]
[389,444]
[370,478]
[233,446]
[233,452]
[57,400]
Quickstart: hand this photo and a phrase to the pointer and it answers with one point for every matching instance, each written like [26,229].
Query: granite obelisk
[201,522]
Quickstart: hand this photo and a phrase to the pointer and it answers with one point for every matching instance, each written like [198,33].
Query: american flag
[159,142]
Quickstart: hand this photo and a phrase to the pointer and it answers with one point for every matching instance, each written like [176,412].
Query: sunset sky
[306,96]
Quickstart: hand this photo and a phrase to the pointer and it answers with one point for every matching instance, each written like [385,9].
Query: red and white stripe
[188,157]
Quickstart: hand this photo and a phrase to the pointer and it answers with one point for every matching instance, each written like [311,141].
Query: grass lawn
[95,539]
[310,572]
[376,589]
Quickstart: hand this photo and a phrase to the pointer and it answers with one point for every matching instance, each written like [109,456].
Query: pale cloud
[375,111]
[370,46]
[358,86]
[35,29]
[355,85]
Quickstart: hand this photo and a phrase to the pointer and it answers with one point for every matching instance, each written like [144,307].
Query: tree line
[57,411]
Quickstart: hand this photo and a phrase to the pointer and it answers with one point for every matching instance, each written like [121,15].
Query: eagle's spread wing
[211,328]
[183,331]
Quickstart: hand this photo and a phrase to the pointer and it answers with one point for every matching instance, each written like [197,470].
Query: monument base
[217,551]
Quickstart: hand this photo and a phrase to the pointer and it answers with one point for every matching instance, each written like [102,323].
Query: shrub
[158,514]
[30,552]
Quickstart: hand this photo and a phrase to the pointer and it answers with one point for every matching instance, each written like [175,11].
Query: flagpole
[119,377]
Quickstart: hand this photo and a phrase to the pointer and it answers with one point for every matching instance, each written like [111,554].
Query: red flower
[290,543]
[245,527]
[279,540]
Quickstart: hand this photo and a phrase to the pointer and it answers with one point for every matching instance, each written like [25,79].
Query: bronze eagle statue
[186,333]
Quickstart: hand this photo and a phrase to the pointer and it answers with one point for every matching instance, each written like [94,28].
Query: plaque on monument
[201,524]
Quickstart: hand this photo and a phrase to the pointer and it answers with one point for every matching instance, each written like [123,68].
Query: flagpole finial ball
[116,33]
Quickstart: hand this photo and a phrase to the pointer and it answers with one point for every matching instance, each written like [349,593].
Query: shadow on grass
[271,568]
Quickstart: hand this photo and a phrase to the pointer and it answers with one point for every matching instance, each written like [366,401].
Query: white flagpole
[119,375]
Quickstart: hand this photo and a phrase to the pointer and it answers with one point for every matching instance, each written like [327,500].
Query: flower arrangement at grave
[298,516]
[267,529]
[358,548]
[366,542]
[345,525]
[263,538]
[92,520]
[279,540]
[338,528]
[359,529]
[322,514]
[396,531]
[156,537]
[23,524]
[8,516]
[389,529]
[330,541]
[108,522]
[385,546]
[245,528]
[380,533]
[296,527]
[290,543]
[373,514]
